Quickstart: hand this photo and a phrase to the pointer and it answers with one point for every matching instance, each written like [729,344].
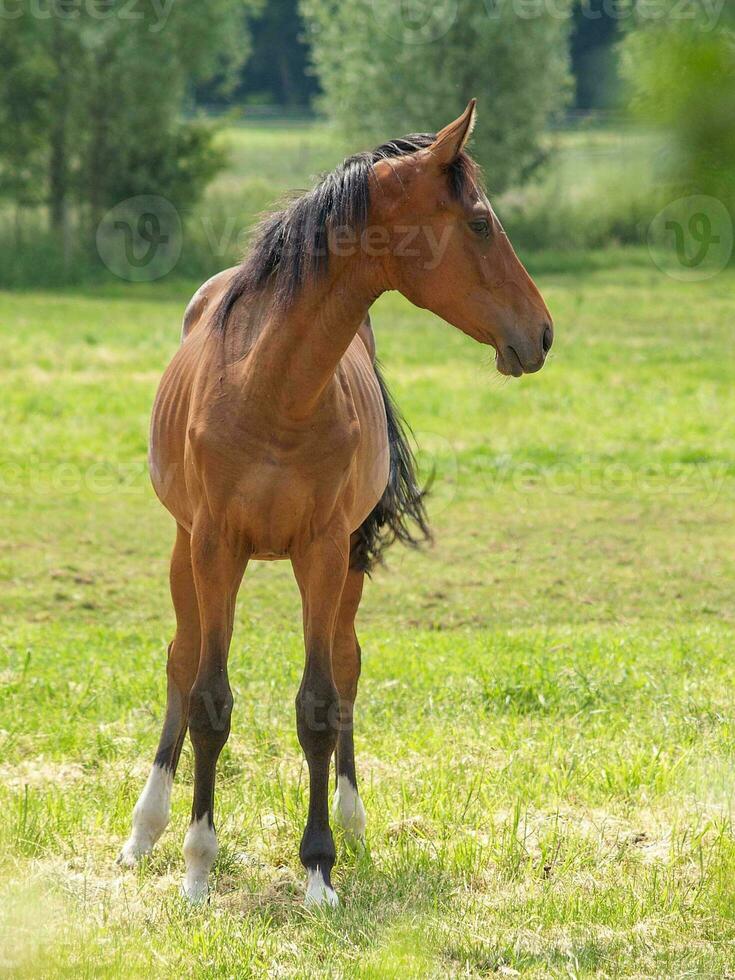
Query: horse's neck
[301,346]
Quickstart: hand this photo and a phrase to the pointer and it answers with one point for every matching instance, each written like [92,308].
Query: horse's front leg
[218,569]
[320,571]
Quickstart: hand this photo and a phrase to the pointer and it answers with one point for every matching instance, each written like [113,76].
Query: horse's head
[448,251]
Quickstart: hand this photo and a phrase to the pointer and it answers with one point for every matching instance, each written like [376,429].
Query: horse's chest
[283,486]
[278,482]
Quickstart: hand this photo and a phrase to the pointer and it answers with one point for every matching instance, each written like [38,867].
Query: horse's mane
[290,247]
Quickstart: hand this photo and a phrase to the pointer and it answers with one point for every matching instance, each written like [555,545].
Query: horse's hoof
[195,891]
[318,893]
[348,813]
[200,850]
[131,854]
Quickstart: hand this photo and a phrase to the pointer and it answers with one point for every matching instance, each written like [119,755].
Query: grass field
[545,727]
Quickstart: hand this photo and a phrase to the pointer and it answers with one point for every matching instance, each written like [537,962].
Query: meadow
[545,727]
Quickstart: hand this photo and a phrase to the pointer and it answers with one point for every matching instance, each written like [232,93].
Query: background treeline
[278,73]
[589,122]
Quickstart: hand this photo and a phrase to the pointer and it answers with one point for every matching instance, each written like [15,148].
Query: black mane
[290,247]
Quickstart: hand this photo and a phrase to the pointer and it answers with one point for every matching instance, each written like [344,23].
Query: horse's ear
[450,142]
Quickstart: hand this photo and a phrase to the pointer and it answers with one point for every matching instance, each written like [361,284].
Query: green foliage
[681,72]
[24,91]
[384,74]
[94,97]
[600,191]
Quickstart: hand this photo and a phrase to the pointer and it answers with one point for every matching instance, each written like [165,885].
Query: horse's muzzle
[523,357]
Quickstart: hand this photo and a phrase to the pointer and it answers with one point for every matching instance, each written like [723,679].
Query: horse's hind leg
[347,808]
[151,812]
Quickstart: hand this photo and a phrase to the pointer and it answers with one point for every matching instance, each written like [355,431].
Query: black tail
[400,514]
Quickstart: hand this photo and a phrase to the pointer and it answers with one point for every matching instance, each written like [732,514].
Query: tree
[96,95]
[24,92]
[681,72]
[389,67]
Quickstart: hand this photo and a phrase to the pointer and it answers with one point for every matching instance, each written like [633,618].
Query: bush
[681,74]
[611,211]
[91,106]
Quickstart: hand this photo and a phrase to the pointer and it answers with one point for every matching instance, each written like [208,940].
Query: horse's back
[205,300]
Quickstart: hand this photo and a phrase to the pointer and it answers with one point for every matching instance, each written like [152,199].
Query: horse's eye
[481,227]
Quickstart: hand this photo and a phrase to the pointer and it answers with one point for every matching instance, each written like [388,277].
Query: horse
[273,436]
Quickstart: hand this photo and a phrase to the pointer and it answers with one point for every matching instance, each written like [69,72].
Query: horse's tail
[400,514]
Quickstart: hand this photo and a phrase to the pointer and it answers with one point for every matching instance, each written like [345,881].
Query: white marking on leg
[318,892]
[348,811]
[150,816]
[200,850]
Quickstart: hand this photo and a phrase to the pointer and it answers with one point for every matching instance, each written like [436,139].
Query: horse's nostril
[547,338]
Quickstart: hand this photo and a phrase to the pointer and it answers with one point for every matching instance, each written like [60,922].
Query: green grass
[545,728]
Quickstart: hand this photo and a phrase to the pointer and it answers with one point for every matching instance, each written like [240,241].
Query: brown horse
[273,437]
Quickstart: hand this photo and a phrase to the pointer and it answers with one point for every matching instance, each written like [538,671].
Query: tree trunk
[58,175]
[290,97]
[58,158]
